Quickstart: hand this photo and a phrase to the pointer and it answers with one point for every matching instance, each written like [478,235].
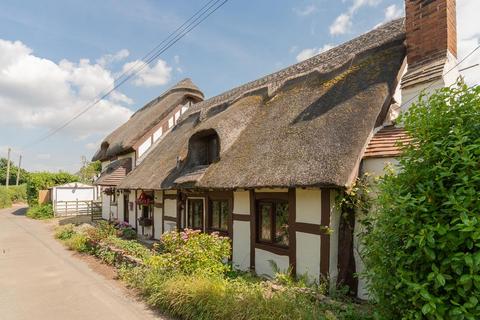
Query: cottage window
[195,214]
[272,222]
[204,148]
[218,217]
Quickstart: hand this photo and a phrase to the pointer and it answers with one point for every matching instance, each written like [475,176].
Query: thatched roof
[306,125]
[123,139]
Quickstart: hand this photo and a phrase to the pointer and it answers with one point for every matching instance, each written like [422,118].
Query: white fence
[76,208]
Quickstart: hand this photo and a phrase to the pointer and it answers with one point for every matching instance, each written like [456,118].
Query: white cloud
[343,22]
[469,38]
[39,93]
[305,11]
[310,52]
[157,75]
[116,57]
[393,12]
[176,59]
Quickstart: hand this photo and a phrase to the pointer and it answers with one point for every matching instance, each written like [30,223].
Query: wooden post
[18,169]
[7,177]
[77,206]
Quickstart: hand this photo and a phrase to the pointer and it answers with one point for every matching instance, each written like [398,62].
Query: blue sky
[55,56]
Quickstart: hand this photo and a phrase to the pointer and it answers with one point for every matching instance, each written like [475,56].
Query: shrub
[40,212]
[5,200]
[18,193]
[64,232]
[422,254]
[78,242]
[11,195]
[129,247]
[216,297]
[44,180]
[102,231]
[190,252]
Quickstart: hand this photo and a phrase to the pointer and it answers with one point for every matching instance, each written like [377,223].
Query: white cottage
[264,162]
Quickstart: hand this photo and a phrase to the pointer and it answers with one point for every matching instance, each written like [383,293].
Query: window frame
[189,199]
[210,215]
[274,200]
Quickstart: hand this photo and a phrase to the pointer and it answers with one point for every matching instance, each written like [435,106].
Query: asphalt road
[40,279]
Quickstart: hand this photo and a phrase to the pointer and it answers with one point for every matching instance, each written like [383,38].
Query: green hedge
[44,180]
[12,194]
[423,252]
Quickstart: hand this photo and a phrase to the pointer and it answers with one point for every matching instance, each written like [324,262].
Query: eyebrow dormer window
[204,148]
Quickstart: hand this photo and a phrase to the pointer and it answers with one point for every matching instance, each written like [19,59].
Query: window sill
[282,251]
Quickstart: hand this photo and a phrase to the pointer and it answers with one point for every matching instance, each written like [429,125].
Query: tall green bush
[422,250]
[12,194]
[5,199]
[44,180]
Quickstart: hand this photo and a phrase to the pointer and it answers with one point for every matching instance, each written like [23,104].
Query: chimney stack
[431,30]
[431,37]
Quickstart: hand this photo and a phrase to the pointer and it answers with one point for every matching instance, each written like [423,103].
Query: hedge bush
[44,180]
[40,212]
[423,251]
[12,194]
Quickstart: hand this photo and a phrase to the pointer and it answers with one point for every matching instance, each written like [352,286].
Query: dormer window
[204,148]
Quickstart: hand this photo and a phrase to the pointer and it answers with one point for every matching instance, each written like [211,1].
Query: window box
[145,222]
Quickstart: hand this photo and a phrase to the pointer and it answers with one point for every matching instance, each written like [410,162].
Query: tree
[422,247]
[88,172]
[44,180]
[13,173]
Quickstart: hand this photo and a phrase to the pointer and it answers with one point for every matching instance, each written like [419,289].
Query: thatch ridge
[122,139]
[305,125]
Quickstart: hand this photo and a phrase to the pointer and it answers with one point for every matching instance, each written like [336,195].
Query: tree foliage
[13,173]
[422,251]
[44,180]
[89,171]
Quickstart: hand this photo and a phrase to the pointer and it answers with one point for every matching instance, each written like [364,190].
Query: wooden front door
[126,213]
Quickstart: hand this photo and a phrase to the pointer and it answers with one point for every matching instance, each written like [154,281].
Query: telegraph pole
[7,178]
[18,169]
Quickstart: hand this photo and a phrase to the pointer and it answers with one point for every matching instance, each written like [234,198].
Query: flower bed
[187,276]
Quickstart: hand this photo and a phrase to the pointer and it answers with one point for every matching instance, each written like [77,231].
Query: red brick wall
[431,29]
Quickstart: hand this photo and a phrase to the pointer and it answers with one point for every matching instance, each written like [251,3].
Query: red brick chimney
[431,47]
[431,30]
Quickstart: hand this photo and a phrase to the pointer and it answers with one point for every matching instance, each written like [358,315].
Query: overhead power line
[196,19]
[434,82]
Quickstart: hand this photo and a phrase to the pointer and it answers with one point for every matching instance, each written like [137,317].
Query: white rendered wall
[308,205]
[335,217]
[241,231]
[308,255]
[170,208]
[308,210]
[120,208]
[241,202]
[105,206]
[376,168]
[241,245]
[262,262]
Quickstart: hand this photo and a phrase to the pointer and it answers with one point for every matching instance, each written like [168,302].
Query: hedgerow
[423,252]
